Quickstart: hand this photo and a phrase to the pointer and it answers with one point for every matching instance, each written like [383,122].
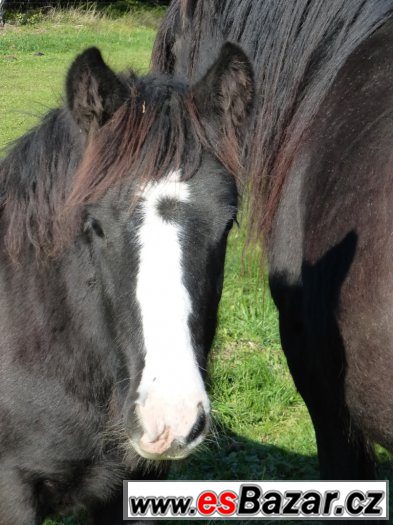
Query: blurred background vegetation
[28,11]
[25,5]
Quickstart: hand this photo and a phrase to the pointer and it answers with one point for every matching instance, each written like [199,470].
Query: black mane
[298,47]
[35,177]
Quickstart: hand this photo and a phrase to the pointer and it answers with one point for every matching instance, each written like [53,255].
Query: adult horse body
[114,219]
[318,158]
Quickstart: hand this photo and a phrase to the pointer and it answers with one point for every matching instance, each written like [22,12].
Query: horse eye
[96,227]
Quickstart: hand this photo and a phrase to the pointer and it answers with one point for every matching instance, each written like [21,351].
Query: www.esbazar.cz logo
[256,500]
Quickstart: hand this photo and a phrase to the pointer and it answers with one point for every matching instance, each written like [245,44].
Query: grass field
[263,430]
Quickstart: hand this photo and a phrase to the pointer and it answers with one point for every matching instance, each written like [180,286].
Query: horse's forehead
[170,187]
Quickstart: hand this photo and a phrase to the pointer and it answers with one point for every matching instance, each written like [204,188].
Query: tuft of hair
[158,129]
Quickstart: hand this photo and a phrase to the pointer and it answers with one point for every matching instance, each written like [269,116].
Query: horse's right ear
[93,90]
[226,93]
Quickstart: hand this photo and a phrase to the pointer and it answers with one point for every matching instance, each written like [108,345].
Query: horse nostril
[198,427]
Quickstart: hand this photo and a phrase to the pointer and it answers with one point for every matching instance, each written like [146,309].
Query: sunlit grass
[35,57]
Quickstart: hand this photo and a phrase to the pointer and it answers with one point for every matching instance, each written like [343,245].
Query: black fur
[71,351]
[227,88]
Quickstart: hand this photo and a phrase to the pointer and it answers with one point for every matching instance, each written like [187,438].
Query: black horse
[319,162]
[114,217]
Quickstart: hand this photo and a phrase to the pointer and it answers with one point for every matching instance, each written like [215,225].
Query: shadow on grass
[235,457]
[229,456]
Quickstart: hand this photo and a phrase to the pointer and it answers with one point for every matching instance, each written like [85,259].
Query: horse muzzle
[171,431]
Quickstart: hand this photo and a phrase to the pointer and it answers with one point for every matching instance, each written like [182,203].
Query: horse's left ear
[94,92]
[227,89]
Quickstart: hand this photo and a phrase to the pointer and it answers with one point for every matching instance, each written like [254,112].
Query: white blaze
[171,386]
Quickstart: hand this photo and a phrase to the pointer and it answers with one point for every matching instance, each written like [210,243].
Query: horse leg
[17,502]
[343,451]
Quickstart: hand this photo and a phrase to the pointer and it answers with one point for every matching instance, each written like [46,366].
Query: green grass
[262,428]
[30,82]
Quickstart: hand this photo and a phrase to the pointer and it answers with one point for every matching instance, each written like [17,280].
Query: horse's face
[161,264]
[159,250]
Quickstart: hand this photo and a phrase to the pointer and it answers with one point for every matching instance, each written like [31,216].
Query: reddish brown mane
[143,141]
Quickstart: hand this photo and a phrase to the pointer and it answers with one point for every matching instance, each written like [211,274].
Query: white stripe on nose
[171,392]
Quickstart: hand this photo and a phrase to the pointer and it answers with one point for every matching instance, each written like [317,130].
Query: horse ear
[94,92]
[227,89]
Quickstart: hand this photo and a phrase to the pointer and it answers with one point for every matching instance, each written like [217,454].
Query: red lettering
[207,503]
